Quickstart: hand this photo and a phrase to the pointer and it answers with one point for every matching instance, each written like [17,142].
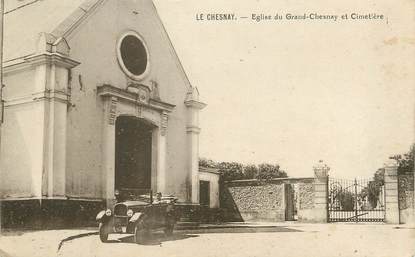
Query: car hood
[121,209]
[130,204]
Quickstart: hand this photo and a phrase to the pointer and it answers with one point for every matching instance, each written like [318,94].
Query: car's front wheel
[103,232]
[168,230]
[141,233]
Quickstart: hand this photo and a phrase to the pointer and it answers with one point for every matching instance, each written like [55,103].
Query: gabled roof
[25,20]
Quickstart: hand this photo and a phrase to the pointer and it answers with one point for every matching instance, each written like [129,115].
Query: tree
[250,171]
[374,187]
[231,170]
[347,201]
[269,171]
[207,163]
[236,171]
[406,163]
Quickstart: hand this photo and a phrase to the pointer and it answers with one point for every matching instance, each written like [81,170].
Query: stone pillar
[194,106]
[161,176]
[320,192]
[391,193]
[108,149]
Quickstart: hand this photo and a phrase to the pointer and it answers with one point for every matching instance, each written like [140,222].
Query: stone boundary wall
[305,201]
[255,200]
[406,198]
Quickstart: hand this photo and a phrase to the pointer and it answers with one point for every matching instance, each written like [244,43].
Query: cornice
[195,104]
[40,59]
[52,58]
[36,97]
[111,91]
[193,129]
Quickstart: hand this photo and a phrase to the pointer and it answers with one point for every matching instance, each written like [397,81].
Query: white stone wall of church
[94,45]
[18,84]
[22,151]
[21,164]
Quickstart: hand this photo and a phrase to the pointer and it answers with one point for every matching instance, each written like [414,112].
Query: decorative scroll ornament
[155,90]
[139,111]
[164,123]
[142,92]
[112,113]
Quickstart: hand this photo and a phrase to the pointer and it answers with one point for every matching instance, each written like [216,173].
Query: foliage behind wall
[236,171]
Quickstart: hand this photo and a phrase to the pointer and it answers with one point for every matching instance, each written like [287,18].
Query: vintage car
[138,215]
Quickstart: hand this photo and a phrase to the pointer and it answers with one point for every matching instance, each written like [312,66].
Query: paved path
[294,240]
[35,243]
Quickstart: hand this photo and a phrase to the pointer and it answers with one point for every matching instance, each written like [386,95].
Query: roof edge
[70,23]
[174,52]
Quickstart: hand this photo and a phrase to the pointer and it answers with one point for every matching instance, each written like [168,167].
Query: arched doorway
[133,153]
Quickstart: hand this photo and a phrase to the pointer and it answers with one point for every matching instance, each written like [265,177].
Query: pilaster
[161,154]
[51,84]
[108,154]
[193,130]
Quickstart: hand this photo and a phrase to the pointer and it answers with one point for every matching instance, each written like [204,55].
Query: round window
[133,55]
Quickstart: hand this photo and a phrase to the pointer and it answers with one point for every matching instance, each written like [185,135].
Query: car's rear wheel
[103,232]
[141,233]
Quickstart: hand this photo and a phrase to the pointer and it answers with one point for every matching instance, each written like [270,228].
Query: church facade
[95,100]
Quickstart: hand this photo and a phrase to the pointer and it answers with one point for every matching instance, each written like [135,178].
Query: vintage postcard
[183,128]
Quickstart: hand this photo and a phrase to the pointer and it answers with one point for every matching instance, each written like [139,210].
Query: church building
[95,100]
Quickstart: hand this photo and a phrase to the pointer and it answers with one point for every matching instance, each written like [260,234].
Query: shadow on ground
[159,238]
[154,239]
[274,229]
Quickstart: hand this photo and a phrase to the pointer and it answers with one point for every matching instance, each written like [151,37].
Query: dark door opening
[289,202]
[133,142]
[204,188]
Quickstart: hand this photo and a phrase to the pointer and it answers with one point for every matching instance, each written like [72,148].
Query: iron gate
[358,200]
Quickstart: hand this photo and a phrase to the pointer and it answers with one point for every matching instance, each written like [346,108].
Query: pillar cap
[321,169]
[391,163]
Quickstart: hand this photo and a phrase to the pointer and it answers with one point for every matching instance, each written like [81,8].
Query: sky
[295,92]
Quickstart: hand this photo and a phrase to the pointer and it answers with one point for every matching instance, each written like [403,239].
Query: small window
[133,55]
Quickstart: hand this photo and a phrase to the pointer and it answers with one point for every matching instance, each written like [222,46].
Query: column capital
[195,104]
[192,99]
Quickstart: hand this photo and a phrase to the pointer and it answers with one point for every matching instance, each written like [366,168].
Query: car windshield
[128,194]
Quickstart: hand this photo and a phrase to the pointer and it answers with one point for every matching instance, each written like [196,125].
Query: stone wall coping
[248,182]
[209,170]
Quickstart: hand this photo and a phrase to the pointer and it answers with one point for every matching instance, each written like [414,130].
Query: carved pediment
[142,91]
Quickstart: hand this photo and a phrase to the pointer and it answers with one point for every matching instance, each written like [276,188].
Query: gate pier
[391,193]
[320,192]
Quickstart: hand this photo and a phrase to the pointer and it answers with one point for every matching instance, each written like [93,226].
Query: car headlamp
[130,213]
[108,212]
